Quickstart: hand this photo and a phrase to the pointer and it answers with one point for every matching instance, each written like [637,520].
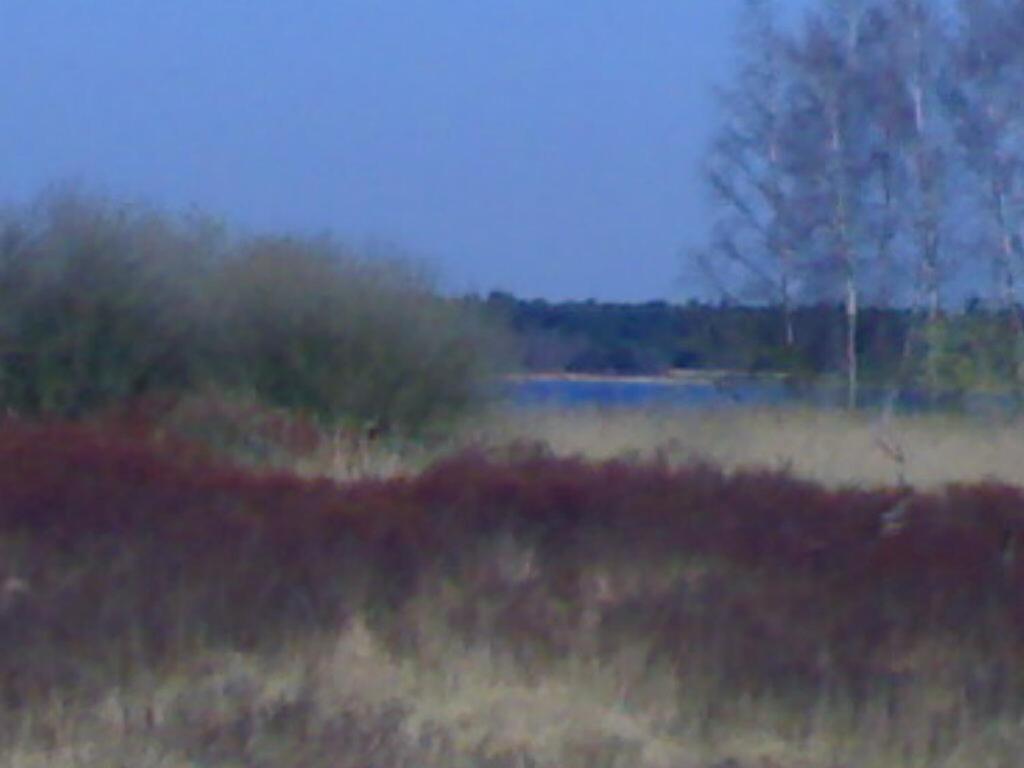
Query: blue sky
[545,148]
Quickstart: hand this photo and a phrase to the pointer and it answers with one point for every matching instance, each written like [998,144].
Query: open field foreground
[832,447]
[500,608]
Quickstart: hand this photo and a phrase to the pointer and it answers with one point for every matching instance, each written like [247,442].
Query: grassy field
[544,589]
[830,447]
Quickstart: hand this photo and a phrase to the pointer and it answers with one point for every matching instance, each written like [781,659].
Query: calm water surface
[740,392]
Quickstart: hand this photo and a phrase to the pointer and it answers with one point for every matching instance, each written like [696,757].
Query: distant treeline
[654,337]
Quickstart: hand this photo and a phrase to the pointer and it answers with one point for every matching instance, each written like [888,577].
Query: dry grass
[830,447]
[827,446]
[343,699]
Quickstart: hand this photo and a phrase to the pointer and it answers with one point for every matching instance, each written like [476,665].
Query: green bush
[317,328]
[973,352]
[98,304]
[102,303]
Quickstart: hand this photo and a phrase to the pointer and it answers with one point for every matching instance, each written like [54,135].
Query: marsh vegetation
[541,589]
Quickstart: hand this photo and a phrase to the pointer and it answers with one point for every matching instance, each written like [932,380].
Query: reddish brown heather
[814,584]
[63,480]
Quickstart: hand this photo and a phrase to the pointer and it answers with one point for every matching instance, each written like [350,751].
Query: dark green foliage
[650,338]
[590,336]
[315,328]
[972,349]
[97,304]
[100,304]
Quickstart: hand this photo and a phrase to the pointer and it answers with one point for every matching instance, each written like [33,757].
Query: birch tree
[758,229]
[913,139]
[829,123]
[989,113]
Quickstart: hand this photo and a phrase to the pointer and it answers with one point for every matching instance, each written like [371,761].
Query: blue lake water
[739,392]
[634,393]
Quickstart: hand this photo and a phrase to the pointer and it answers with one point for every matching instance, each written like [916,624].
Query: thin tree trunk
[928,230]
[844,253]
[933,319]
[851,343]
[787,313]
[786,260]
[847,259]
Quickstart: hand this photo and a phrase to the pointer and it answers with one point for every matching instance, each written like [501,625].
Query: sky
[548,149]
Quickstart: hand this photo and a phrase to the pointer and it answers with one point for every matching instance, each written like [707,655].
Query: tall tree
[758,229]
[830,130]
[920,55]
[990,126]
[911,63]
